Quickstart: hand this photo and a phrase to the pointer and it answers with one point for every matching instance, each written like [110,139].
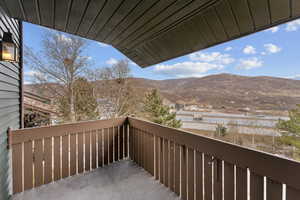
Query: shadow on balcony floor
[123,180]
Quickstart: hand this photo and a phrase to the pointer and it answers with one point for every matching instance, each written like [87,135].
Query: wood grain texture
[48,148]
[28,165]
[140,29]
[17,168]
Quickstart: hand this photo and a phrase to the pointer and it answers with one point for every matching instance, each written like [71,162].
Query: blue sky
[273,52]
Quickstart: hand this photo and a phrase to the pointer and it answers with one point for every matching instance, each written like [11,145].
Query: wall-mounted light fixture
[8,49]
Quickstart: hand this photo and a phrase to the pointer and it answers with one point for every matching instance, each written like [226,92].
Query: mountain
[230,91]
[225,91]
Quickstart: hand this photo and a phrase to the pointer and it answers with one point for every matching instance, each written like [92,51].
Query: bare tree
[59,64]
[112,86]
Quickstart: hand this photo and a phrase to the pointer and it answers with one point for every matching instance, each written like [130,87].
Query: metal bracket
[8,138]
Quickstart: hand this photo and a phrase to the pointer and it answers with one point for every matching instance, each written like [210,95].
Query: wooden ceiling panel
[157,21]
[46,14]
[295,8]
[124,10]
[94,8]
[280,10]
[62,9]
[142,22]
[30,11]
[77,12]
[13,8]
[171,17]
[152,31]
[216,26]
[261,14]
[131,19]
[241,11]
[228,20]
[105,15]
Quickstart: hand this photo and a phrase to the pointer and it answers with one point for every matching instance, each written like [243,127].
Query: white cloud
[103,44]
[132,63]
[249,50]
[31,73]
[187,69]
[27,82]
[273,29]
[228,48]
[272,48]
[296,77]
[250,63]
[293,26]
[87,57]
[64,38]
[214,57]
[111,61]
[263,53]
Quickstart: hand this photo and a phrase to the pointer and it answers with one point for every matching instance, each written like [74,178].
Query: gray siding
[10,101]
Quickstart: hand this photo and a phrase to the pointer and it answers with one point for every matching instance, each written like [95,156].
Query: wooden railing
[43,155]
[197,167]
[193,166]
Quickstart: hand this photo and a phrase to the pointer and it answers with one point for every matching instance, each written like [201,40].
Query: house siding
[10,100]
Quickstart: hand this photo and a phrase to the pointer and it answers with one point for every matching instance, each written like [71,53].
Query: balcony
[130,158]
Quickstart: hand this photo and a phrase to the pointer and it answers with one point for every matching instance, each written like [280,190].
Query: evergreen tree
[85,102]
[157,112]
[291,128]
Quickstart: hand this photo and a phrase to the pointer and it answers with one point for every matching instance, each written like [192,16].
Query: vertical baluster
[116,143]
[183,165]
[256,187]
[241,183]
[87,142]
[292,194]
[274,190]
[28,165]
[171,164]
[228,181]
[65,156]
[199,176]
[100,147]
[218,179]
[38,162]
[126,132]
[106,146]
[166,162]
[157,154]
[135,145]
[80,152]
[94,149]
[161,160]
[142,148]
[121,141]
[73,159]
[57,156]
[111,145]
[190,174]
[177,169]
[139,147]
[48,159]
[207,177]
[146,152]
[17,168]
[131,143]
[151,143]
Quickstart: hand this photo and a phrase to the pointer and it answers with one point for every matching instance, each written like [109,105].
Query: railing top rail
[28,134]
[277,168]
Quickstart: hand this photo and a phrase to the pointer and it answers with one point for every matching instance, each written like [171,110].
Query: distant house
[38,110]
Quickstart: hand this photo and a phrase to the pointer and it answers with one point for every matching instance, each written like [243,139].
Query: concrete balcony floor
[119,181]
